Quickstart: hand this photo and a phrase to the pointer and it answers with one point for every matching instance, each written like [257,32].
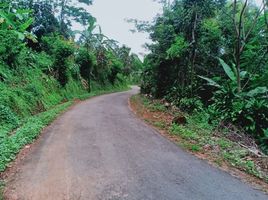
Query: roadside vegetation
[205,80]
[227,148]
[43,68]
[210,57]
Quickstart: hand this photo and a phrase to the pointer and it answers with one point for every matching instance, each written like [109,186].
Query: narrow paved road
[99,150]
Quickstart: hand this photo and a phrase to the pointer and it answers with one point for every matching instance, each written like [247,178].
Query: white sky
[111,15]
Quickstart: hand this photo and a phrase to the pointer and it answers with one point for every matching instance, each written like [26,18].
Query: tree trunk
[62,16]
[193,56]
[239,46]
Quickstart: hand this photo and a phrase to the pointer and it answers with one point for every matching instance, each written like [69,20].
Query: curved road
[99,150]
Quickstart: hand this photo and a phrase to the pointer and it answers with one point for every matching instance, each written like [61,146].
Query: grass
[160,124]
[224,144]
[197,135]
[189,146]
[184,132]
[157,107]
[1,190]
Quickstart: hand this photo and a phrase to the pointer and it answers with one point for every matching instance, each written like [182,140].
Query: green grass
[157,107]
[161,125]
[195,138]
[184,132]
[224,144]
[153,106]
[238,158]
[191,147]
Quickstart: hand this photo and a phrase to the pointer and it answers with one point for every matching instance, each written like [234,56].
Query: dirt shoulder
[217,147]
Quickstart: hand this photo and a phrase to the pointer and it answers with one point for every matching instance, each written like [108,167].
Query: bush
[10,47]
[86,61]
[61,51]
[5,73]
[148,82]
[190,104]
[250,113]
[8,117]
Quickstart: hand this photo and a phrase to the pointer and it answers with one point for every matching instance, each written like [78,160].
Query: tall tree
[242,32]
[70,10]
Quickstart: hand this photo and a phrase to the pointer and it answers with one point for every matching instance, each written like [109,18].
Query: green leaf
[256,91]
[234,69]
[31,37]
[77,32]
[88,2]
[26,24]
[211,82]
[7,18]
[243,74]
[19,16]
[228,70]
[21,36]
[23,11]
[177,48]
[265,132]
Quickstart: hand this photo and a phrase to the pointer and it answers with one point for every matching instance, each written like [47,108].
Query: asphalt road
[100,150]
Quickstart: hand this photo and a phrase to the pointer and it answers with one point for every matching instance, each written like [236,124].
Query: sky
[111,15]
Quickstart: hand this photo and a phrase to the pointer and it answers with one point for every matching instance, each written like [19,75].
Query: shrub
[190,104]
[86,60]
[8,117]
[10,47]
[250,113]
[61,51]
[5,73]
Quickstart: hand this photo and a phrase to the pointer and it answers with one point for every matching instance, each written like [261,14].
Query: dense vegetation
[42,66]
[211,56]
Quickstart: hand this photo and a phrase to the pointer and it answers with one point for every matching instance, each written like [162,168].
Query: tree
[17,21]
[213,52]
[45,21]
[242,31]
[72,11]
[86,61]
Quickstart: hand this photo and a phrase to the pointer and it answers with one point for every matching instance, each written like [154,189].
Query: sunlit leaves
[177,48]
[18,21]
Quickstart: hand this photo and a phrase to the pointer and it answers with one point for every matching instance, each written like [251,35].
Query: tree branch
[234,19]
[254,22]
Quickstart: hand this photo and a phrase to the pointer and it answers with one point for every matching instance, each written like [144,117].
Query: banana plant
[231,73]
[94,39]
[17,21]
